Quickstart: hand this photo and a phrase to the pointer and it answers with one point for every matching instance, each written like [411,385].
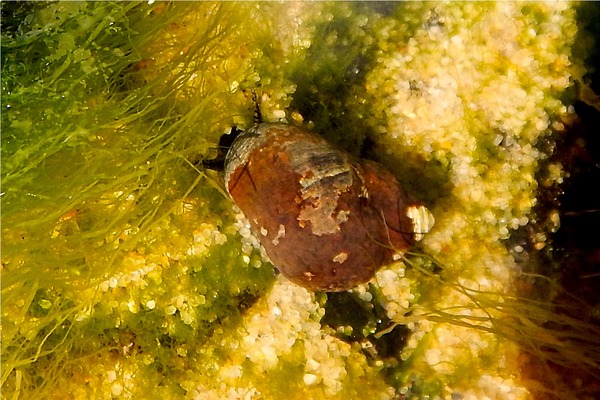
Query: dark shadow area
[577,242]
[345,310]
[338,66]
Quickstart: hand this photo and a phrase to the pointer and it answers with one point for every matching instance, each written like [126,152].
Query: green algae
[97,167]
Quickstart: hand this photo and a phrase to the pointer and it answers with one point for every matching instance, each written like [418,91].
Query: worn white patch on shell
[280,234]
[422,220]
[342,216]
[341,257]
[309,275]
[325,175]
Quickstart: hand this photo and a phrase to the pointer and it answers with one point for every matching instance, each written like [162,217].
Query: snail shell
[326,220]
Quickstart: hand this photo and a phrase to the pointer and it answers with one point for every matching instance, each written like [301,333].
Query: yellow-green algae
[127,273]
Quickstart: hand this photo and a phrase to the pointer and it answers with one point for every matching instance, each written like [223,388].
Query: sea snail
[326,220]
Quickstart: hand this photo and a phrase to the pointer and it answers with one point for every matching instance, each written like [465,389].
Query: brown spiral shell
[326,220]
